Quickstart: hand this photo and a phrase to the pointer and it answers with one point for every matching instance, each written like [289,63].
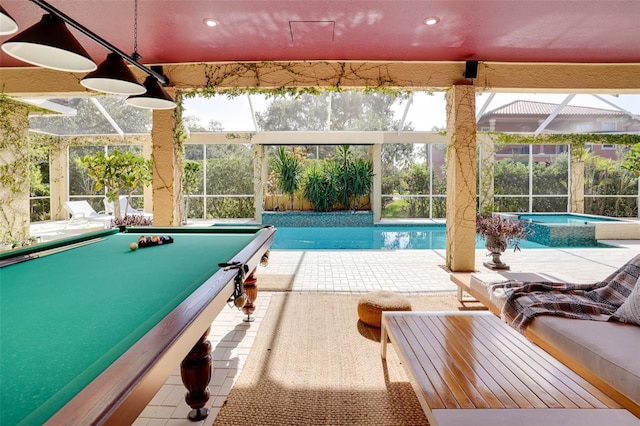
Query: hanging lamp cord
[135,55]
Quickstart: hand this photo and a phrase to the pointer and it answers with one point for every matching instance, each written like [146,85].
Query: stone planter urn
[496,246]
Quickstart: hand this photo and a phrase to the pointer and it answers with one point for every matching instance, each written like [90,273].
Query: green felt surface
[65,317]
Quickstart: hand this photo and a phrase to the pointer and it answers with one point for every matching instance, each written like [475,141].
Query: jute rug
[314,363]
[275,282]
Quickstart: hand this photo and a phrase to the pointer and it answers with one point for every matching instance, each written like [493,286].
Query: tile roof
[542,108]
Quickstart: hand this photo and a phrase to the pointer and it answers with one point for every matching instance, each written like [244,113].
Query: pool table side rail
[34,249]
[124,389]
[219,229]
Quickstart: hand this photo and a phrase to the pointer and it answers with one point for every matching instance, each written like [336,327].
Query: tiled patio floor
[404,271]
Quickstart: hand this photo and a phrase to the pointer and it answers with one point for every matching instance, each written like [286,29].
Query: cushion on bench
[608,349]
[630,309]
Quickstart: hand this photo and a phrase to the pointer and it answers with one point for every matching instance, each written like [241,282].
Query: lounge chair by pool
[81,211]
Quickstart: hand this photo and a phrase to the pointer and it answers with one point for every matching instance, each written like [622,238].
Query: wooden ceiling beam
[492,77]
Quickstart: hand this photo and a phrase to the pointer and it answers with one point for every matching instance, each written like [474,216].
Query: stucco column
[58,168]
[376,189]
[259,180]
[576,182]
[461,178]
[147,153]
[14,172]
[167,170]
[487,163]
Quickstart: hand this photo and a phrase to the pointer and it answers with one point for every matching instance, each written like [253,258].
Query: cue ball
[133,246]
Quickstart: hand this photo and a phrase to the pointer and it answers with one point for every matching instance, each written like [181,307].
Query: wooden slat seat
[471,368]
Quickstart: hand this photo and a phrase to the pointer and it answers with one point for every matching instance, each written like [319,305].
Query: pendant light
[113,76]
[50,44]
[154,98]
[7,23]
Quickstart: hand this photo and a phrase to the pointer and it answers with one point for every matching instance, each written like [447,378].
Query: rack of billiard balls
[151,241]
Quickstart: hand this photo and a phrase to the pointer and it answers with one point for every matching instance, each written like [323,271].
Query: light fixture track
[49,8]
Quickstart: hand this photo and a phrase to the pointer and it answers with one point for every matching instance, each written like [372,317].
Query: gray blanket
[526,300]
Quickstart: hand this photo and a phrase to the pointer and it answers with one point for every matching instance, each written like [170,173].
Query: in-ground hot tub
[575,230]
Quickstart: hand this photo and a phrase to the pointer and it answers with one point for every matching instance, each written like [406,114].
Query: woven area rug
[275,282]
[314,363]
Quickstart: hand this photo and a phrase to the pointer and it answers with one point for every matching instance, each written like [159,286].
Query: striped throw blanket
[523,301]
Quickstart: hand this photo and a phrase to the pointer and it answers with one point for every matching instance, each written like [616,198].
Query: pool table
[90,329]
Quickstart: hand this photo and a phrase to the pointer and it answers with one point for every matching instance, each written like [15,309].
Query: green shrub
[288,166]
[319,187]
[353,175]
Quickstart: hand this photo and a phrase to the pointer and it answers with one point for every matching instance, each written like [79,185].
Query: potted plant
[499,233]
[118,173]
[131,220]
[9,241]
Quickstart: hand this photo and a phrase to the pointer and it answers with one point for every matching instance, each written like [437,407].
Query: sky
[426,111]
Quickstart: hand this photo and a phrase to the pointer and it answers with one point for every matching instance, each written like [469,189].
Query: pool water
[368,238]
[565,219]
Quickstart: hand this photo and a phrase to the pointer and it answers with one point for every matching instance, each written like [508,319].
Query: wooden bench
[472,369]
[463,281]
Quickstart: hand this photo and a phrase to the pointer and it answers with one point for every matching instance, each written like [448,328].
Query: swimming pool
[386,237]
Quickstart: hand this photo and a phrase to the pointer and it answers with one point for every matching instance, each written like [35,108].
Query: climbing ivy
[240,75]
[14,172]
[575,140]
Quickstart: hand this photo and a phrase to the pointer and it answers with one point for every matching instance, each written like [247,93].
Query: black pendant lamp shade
[113,76]
[155,97]
[50,44]
[7,23]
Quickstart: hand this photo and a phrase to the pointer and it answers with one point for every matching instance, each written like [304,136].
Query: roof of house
[541,108]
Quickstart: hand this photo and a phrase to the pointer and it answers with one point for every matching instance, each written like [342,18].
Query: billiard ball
[133,246]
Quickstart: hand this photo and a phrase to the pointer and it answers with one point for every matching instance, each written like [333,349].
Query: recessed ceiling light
[210,22]
[432,20]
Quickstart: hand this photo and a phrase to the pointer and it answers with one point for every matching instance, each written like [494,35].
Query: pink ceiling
[172,31]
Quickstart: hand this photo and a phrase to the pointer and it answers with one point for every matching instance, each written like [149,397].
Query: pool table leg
[195,370]
[251,290]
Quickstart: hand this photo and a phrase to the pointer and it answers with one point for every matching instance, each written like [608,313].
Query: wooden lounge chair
[601,351]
